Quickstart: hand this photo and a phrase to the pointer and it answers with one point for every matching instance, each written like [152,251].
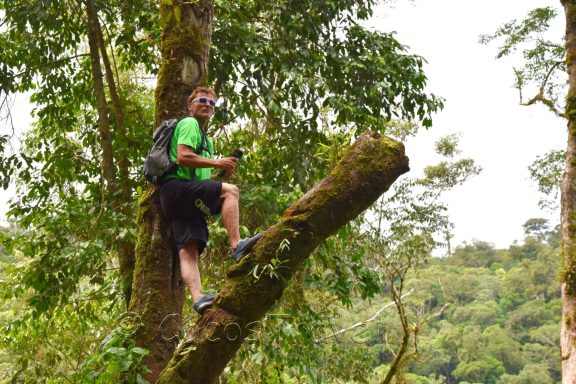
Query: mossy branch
[367,170]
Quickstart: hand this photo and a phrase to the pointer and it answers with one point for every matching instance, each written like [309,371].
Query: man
[189,195]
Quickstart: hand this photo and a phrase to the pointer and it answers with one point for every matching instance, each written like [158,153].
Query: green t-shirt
[188,132]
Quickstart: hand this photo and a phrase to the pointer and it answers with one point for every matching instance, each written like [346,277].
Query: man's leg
[189,269]
[230,213]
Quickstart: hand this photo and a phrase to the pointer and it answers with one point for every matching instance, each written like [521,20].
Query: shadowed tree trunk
[103,122]
[117,203]
[122,203]
[366,170]
[568,209]
[157,291]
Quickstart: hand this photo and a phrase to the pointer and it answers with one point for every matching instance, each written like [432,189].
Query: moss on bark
[366,171]
[158,294]
[185,48]
[568,187]
[568,208]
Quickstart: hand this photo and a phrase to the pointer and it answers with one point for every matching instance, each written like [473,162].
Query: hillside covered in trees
[501,326]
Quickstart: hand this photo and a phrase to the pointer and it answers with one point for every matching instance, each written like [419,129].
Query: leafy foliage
[70,344]
[118,360]
[298,71]
[547,171]
[62,204]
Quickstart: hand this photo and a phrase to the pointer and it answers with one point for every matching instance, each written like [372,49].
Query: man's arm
[188,158]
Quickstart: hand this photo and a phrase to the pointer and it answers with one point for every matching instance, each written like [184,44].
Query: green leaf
[165,18]
[125,365]
[116,351]
[139,351]
[141,380]
[177,14]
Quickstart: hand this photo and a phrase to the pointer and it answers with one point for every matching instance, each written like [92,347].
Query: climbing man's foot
[203,304]
[244,246]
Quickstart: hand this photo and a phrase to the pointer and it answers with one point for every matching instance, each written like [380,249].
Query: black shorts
[187,205]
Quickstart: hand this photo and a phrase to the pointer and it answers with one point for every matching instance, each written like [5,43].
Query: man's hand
[228,164]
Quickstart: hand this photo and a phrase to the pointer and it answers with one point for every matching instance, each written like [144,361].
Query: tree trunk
[185,51]
[366,171]
[103,122]
[122,203]
[568,209]
[157,291]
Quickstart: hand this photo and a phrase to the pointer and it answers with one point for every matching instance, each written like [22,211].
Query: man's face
[202,111]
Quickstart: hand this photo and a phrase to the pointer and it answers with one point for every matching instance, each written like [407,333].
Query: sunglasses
[205,100]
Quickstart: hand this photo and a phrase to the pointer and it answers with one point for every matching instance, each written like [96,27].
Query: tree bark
[122,203]
[157,291]
[366,171]
[568,209]
[103,122]
[185,51]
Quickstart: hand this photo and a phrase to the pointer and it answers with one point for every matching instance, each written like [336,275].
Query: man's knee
[189,251]
[230,190]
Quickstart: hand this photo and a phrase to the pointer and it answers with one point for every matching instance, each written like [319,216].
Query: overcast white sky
[502,136]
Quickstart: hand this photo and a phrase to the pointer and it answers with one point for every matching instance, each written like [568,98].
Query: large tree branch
[366,171]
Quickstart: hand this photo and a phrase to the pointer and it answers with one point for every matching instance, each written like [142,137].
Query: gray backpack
[158,164]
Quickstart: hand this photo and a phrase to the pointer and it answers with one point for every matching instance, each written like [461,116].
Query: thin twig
[361,323]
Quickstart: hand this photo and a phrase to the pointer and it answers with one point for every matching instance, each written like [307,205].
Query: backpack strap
[203,144]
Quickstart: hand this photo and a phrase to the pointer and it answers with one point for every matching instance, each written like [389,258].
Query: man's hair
[201,90]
